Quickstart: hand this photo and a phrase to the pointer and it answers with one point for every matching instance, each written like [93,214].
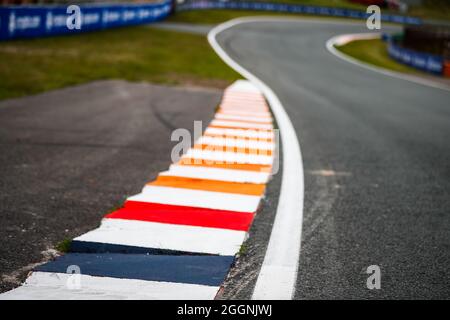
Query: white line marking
[53,286]
[198,198]
[345,38]
[166,236]
[241,176]
[278,273]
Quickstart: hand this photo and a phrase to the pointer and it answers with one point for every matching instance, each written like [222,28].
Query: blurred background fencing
[24,2]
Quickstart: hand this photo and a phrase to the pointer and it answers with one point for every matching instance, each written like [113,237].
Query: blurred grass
[374,52]
[64,246]
[325,3]
[133,53]
[430,9]
[214,16]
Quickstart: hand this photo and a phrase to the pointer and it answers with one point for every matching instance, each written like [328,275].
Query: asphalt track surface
[69,156]
[376,156]
[375,151]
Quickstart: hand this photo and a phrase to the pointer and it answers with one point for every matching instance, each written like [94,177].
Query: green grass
[431,9]
[214,16]
[243,249]
[134,54]
[374,52]
[64,245]
[325,3]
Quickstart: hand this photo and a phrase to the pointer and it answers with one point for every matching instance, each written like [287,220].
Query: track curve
[376,158]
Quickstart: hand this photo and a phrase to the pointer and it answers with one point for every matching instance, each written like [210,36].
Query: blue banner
[294,8]
[419,60]
[38,21]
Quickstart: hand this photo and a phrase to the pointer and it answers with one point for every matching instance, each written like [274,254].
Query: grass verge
[64,246]
[430,9]
[325,3]
[243,249]
[134,53]
[215,16]
[374,52]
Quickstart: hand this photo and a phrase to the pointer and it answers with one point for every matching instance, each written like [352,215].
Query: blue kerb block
[201,270]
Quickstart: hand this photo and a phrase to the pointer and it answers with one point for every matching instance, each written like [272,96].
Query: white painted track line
[198,198]
[345,38]
[166,236]
[53,286]
[278,273]
[231,175]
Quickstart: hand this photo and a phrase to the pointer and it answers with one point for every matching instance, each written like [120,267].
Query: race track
[376,156]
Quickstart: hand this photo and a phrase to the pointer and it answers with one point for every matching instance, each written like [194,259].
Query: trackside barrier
[45,20]
[294,8]
[423,61]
